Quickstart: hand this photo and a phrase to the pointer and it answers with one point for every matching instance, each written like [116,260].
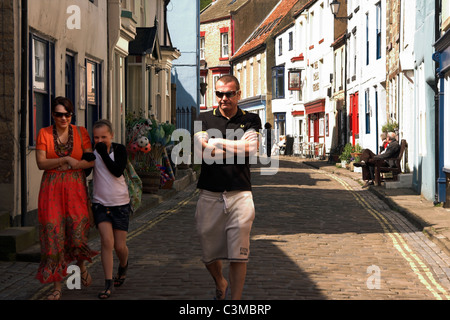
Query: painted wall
[424,177]
[183,23]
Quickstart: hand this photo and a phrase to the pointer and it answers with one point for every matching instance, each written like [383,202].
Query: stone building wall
[7,101]
[392,54]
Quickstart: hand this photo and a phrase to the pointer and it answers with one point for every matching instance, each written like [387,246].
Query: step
[184,180]
[16,239]
[404,181]
[30,254]
[4,220]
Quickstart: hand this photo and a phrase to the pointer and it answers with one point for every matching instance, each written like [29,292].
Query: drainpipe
[23,112]
[437,57]
[441,181]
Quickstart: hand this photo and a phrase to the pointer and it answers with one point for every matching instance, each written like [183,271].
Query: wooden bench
[395,164]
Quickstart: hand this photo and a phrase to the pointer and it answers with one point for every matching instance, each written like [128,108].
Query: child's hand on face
[101,148]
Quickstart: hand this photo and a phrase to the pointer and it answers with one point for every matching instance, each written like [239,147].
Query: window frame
[94,105]
[224,45]
[278,73]
[378,30]
[47,92]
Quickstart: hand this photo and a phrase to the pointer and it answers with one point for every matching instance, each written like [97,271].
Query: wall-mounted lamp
[203,86]
[334,5]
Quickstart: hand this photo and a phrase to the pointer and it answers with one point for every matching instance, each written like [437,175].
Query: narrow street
[316,236]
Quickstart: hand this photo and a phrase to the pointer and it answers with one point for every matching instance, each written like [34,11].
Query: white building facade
[366,65]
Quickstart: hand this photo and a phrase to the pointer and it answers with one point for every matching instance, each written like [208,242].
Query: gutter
[23,112]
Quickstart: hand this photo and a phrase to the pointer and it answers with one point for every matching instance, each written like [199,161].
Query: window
[280,122]
[202,48]
[93,81]
[278,82]
[367,108]
[379,24]
[280,46]
[291,41]
[42,83]
[224,44]
[70,79]
[367,40]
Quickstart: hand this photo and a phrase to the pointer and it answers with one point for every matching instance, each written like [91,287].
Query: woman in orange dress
[62,205]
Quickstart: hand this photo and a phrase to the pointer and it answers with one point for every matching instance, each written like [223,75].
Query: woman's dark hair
[267,125]
[65,102]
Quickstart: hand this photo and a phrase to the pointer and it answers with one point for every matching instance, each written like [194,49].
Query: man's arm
[223,148]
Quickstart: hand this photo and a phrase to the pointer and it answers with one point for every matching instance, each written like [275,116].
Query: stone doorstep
[16,239]
[404,181]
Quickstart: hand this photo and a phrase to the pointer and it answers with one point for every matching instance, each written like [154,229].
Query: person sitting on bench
[368,159]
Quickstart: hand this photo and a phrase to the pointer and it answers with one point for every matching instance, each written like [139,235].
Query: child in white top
[110,203]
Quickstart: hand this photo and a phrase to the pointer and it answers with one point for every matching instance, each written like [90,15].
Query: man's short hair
[230,78]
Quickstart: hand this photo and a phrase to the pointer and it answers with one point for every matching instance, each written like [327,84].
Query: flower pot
[150,181]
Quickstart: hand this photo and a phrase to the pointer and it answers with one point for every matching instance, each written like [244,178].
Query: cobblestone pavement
[316,236]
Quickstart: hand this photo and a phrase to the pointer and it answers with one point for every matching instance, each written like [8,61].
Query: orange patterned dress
[62,207]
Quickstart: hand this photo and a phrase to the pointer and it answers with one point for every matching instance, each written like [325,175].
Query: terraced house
[109,57]
[224,26]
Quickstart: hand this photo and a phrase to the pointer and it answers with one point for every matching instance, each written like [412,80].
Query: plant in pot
[390,126]
[139,148]
[345,156]
[147,140]
[356,151]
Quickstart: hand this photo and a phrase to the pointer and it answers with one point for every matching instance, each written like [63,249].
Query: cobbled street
[316,236]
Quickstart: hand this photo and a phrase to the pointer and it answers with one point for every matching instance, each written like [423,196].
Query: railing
[186,117]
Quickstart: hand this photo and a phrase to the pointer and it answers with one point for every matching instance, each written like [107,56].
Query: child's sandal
[118,280]
[105,294]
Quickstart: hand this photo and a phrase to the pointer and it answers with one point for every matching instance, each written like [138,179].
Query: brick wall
[213,53]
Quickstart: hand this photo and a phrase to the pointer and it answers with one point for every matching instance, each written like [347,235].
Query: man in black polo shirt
[228,139]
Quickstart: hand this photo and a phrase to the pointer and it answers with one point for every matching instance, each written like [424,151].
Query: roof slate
[259,36]
[220,9]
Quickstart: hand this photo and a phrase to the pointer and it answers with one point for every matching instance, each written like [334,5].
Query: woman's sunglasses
[62,114]
[229,94]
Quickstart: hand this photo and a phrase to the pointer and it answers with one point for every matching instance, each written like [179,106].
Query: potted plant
[346,154]
[146,144]
[356,151]
[390,126]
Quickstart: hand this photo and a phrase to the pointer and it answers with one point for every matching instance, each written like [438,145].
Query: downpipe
[23,113]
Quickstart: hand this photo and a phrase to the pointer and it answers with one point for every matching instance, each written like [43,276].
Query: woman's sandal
[86,280]
[118,280]
[56,295]
[105,294]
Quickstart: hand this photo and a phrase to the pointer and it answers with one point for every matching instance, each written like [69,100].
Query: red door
[316,128]
[354,116]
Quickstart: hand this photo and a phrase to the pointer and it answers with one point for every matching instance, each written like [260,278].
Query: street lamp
[335,5]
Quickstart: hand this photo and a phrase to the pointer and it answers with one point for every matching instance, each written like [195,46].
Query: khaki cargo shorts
[224,221]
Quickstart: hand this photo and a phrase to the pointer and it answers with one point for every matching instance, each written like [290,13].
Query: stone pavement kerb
[434,221]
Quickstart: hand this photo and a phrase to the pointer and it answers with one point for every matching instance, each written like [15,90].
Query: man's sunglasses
[62,114]
[229,94]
